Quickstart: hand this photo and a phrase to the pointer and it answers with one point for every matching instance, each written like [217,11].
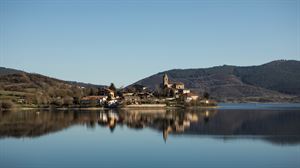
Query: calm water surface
[234,135]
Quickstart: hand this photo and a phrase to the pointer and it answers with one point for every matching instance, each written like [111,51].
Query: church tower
[165,80]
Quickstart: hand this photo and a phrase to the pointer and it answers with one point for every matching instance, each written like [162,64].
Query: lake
[233,135]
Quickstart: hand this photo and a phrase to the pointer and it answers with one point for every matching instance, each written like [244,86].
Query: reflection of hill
[250,122]
[275,126]
[32,124]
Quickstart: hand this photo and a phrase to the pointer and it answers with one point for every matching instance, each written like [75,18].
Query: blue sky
[122,41]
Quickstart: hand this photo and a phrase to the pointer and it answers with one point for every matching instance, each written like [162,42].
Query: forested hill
[274,81]
[38,89]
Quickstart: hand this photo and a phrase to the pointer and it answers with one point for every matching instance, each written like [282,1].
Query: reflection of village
[173,94]
[166,121]
[280,127]
[35,123]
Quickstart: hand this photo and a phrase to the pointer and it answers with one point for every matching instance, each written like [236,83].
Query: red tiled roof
[93,97]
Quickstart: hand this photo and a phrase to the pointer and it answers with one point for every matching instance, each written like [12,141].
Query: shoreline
[142,107]
[105,108]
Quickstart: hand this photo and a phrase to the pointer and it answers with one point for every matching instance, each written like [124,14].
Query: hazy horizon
[101,42]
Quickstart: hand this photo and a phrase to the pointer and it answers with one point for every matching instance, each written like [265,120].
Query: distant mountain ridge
[274,81]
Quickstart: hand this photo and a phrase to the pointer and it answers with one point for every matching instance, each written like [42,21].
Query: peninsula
[276,81]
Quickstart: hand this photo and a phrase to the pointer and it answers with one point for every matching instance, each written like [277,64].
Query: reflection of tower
[165,135]
[166,132]
[112,124]
[206,117]
[165,80]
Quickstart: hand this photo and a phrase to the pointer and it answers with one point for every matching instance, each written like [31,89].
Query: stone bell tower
[165,80]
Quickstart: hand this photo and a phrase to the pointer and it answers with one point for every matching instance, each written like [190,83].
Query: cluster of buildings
[171,93]
[106,97]
[177,90]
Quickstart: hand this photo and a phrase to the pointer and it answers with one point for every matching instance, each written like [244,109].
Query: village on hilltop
[170,94]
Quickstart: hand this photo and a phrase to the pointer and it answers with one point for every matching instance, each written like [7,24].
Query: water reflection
[275,126]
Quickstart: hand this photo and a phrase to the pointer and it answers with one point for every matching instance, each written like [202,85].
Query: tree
[76,100]
[41,99]
[93,91]
[51,92]
[172,93]
[6,104]
[57,102]
[206,95]
[158,91]
[67,100]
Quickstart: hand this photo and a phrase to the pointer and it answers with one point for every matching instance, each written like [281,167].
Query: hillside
[7,71]
[276,81]
[35,89]
[10,71]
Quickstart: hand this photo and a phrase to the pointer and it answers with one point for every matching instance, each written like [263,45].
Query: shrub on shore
[6,104]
